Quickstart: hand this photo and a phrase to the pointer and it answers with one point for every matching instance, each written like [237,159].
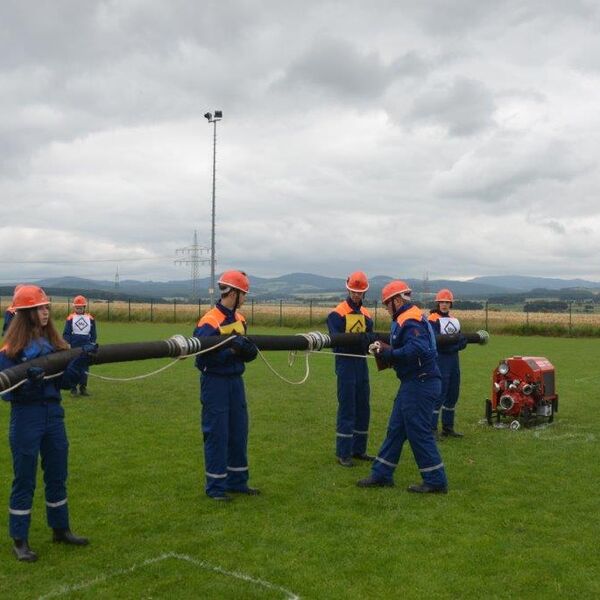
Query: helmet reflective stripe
[29,296]
[395,288]
[215,476]
[357,282]
[386,462]
[19,513]
[427,469]
[56,504]
[235,279]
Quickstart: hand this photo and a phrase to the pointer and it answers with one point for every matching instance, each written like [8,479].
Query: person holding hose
[353,391]
[222,394]
[37,426]
[445,324]
[412,353]
[79,330]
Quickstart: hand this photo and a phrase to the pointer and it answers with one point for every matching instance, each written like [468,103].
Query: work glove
[367,340]
[35,374]
[246,349]
[89,349]
[382,353]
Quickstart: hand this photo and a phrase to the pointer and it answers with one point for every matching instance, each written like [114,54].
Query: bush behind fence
[494,318]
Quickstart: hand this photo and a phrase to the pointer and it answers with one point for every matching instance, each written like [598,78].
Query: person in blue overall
[79,330]
[37,426]
[445,324]
[353,415]
[412,353]
[222,394]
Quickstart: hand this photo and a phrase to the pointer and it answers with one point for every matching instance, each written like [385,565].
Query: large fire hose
[181,346]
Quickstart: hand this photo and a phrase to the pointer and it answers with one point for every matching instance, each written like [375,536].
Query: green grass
[520,520]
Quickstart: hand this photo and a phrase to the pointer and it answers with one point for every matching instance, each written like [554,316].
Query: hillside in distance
[302,286]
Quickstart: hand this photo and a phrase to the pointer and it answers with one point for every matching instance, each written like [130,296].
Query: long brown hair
[25,327]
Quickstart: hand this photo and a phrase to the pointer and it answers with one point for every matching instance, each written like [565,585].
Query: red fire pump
[523,391]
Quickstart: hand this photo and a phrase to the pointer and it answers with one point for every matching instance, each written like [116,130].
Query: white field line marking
[67,589]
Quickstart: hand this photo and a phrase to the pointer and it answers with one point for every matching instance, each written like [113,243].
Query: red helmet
[29,296]
[394,288]
[444,295]
[80,301]
[357,282]
[238,280]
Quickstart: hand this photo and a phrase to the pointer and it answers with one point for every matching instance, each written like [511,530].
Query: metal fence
[575,319]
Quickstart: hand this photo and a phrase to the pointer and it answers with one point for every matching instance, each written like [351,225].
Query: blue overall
[413,357]
[449,365]
[224,409]
[37,427]
[78,332]
[353,392]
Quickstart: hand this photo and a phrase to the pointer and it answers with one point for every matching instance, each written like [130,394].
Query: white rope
[161,369]
[306,374]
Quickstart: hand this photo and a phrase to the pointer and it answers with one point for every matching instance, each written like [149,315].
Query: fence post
[570,317]
[252,312]
[199,308]
[486,316]
[310,313]
[151,310]
[174,310]
[281,313]
[375,320]
[108,310]
[527,313]
[129,306]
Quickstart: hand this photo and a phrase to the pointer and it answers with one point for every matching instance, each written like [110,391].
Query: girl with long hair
[37,425]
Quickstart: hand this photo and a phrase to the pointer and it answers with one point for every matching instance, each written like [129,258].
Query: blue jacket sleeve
[68,331]
[335,323]
[415,345]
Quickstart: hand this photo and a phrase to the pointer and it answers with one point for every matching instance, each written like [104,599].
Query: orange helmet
[29,296]
[238,280]
[80,301]
[357,282]
[444,295]
[394,288]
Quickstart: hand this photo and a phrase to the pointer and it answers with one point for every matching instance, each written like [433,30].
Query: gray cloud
[464,108]
[348,129]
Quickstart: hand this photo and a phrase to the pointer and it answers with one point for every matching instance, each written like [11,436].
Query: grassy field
[520,521]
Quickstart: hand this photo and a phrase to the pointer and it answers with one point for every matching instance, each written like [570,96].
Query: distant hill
[521,283]
[304,286]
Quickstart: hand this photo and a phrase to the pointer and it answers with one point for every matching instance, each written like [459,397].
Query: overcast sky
[398,137]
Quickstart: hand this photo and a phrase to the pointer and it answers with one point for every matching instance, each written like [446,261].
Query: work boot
[345,462]
[425,488]
[449,432]
[364,456]
[66,536]
[249,491]
[74,391]
[370,481]
[83,391]
[23,552]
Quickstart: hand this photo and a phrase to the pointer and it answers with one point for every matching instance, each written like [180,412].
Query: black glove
[89,349]
[35,374]
[244,347]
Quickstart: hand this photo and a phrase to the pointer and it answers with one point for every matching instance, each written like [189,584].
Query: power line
[84,260]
